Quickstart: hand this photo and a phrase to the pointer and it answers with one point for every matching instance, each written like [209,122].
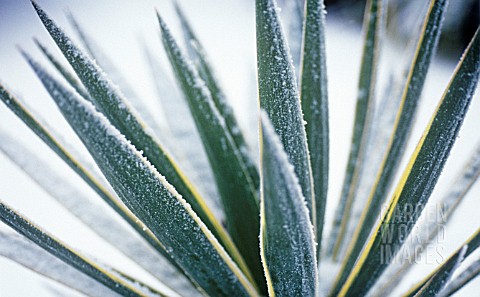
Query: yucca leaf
[65,253]
[101,222]
[70,77]
[381,128]
[24,252]
[471,272]
[420,176]
[287,238]
[150,197]
[279,96]
[184,139]
[14,105]
[116,76]
[446,209]
[205,70]
[403,124]
[314,98]
[437,282]
[111,103]
[437,279]
[237,190]
[373,25]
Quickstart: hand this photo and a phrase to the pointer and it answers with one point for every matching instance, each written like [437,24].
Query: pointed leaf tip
[237,191]
[286,236]
[278,94]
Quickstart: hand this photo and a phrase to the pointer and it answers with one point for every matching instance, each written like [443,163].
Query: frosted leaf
[26,253]
[314,101]
[279,95]
[103,223]
[428,229]
[462,279]
[207,74]
[235,184]
[286,234]
[111,102]
[185,141]
[292,17]
[150,197]
[158,128]
[63,252]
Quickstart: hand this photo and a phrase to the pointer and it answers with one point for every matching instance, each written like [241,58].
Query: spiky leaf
[314,98]
[437,279]
[287,238]
[373,24]
[421,174]
[219,98]
[65,253]
[15,106]
[114,106]
[150,197]
[403,124]
[238,192]
[279,96]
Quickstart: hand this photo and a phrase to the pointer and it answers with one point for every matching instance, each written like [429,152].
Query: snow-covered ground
[228,31]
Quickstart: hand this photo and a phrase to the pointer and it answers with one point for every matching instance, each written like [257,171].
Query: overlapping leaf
[24,252]
[429,230]
[314,98]
[14,105]
[238,192]
[150,197]
[373,24]
[420,176]
[279,96]
[436,280]
[287,238]
[206,72]
[102,223]
[98,272]
[108,100]
[403,124]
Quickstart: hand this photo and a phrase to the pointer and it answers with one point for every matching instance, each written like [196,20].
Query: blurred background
[123,29]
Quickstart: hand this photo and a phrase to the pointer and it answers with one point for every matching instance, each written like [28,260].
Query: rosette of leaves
[268,241]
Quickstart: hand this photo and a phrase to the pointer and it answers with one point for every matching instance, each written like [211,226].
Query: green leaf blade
[70,77]
[15,106]
[287,238]
[102,223]
[314,98]
[238,192]
[219,98]
[108,100]
[373,24]
[403,124]
[66,254]
[470,273]
[421,174]
[437,279]
[24,252]
[151,198]
[279,96]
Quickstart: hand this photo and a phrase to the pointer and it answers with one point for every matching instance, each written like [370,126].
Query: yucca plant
[265,236]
